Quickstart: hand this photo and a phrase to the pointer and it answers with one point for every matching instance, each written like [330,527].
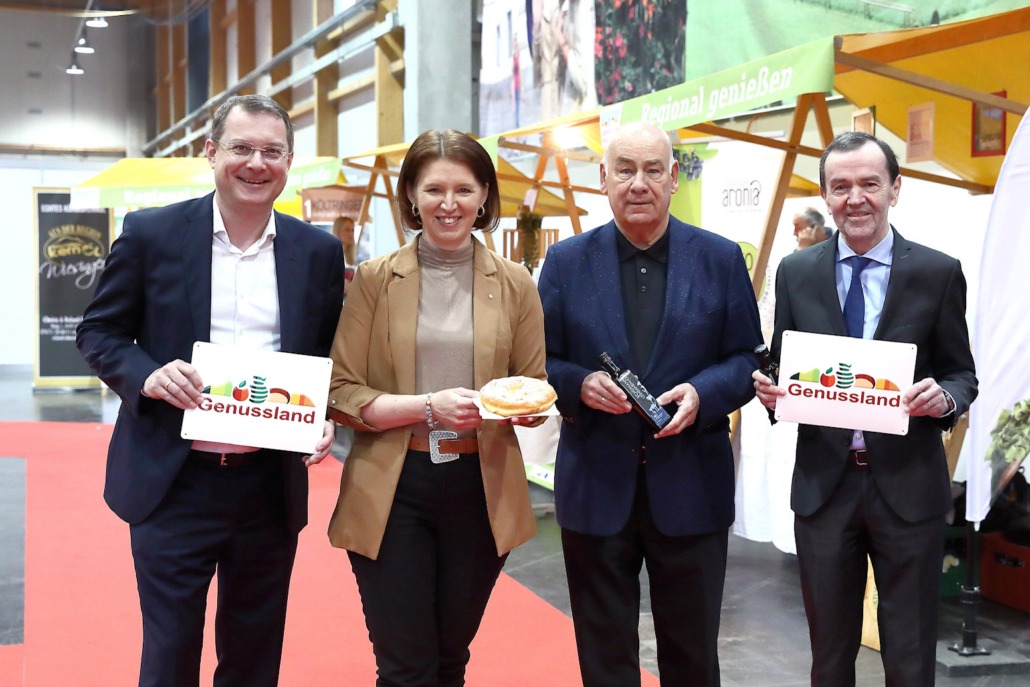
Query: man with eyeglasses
[674,304]
[227,269]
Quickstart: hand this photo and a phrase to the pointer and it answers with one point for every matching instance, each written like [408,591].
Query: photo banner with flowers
[788,74]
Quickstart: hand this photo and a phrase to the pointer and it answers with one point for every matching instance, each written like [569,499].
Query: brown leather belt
[232,460]
[466,445]
[859,459]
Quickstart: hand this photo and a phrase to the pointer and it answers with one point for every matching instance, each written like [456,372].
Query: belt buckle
[859,455]
[435,437]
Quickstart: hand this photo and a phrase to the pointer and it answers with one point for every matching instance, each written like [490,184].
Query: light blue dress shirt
[874,279]
[874,288]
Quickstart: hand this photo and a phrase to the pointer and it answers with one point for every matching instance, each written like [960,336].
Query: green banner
[805,69]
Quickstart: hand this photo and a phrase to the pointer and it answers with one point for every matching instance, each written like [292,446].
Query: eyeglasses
[245,150]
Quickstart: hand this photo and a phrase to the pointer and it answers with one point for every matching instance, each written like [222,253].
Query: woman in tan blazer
[428,521]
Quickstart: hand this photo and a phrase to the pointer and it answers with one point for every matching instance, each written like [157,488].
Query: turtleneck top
[443,332]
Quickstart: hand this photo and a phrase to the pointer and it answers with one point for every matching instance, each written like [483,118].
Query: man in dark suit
[674,304]
[227,269]
[859,494]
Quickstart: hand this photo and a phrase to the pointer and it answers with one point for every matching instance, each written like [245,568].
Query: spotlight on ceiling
[82,46]
[97,22]
[74,68]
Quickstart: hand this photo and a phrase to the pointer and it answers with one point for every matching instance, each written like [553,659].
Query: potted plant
[528,223]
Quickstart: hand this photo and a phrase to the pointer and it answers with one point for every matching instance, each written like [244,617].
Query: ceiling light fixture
[74,68]
[82,46]
[97,22]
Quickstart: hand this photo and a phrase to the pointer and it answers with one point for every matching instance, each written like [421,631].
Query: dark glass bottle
[766,365]
[639,397]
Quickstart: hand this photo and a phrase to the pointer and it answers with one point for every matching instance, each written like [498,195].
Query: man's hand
[600,392]
[926,397]
[323,446]
[685,396]
[177,383]
[766,391]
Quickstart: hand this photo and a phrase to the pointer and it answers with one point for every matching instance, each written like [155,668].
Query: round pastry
[511,396]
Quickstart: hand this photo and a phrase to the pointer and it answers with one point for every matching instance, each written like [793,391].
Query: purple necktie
[854,304]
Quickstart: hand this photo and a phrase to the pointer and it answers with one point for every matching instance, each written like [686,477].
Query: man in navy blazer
[859,494]
[228,269]
[673,303]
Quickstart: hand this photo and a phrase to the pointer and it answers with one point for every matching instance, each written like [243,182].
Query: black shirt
[642,275]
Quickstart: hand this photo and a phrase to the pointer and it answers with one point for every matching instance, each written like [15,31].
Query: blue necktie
[854,303]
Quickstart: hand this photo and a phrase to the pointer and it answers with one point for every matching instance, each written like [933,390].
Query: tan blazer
[374,354]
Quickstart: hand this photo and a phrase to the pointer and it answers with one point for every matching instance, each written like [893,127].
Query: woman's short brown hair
[454,146]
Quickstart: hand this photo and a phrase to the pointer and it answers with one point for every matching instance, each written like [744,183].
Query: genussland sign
[265,399]
[841,381]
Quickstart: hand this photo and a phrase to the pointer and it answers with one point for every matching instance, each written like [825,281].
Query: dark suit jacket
[153,301]
[925,304]
[707,336]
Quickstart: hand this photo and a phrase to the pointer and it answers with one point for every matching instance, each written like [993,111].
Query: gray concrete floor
[764,636]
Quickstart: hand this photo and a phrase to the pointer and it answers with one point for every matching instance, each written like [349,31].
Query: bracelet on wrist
[430,420]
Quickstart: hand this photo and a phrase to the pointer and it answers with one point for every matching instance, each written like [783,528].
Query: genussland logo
[255,398]
[841,384]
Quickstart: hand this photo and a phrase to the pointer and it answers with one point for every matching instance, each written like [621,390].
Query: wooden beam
[17,149]
[282,37]
[178,71]
[786,146]
[970,186]
[349,89]
[758,277]
[326,114]
[389,89]
[589,156]
[822,119]
[246,45]
[570,201]
[162,93]
[217,80]
[931,84]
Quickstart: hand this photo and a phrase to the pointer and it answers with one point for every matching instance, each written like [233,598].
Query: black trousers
[425,595]
[832,547]
[686,576]
[215,519]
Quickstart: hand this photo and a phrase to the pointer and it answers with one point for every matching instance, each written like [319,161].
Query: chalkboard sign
[73,246]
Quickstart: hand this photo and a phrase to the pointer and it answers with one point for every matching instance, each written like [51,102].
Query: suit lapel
[288,284]
[486,312]
[603,268]
[402,298]
[196,262]
[901,271]
[825,267]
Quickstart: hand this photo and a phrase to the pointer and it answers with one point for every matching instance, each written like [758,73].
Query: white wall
[41,105]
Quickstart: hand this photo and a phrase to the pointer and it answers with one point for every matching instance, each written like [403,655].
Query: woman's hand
[455,409]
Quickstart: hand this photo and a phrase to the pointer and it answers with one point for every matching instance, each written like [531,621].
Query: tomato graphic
[240,393]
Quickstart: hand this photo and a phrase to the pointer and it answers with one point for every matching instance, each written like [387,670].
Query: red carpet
[82,622]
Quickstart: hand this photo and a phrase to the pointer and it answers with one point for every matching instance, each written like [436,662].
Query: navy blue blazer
[153,301]
[707,337]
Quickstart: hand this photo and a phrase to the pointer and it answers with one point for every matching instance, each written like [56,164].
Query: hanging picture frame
[988,129]
[864,120]
[920,133]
